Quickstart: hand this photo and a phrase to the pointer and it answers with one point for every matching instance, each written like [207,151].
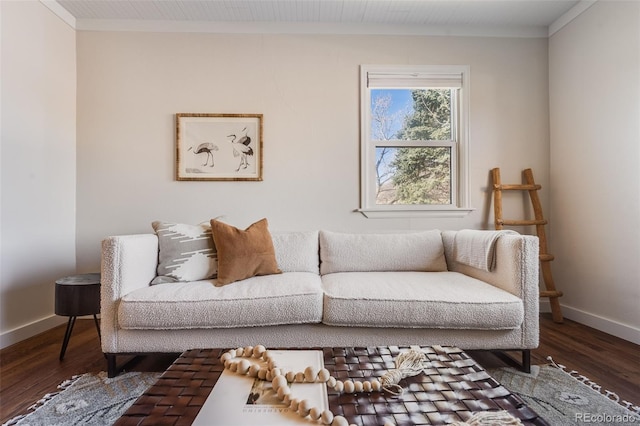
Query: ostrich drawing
[205,148]
[241,148]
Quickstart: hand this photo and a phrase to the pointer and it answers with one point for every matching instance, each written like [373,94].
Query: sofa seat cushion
[447,300]
[289,298]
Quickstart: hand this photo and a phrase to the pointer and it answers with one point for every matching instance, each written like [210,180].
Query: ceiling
[529,15]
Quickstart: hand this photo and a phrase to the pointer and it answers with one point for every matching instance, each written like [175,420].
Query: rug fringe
[14,420]
[490,418]
[64,385]
[42,401]
[593,385]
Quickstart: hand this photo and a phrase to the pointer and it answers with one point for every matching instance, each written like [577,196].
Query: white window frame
[395,76]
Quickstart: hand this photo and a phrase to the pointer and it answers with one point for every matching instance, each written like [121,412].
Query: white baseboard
[19,334]
[606,325]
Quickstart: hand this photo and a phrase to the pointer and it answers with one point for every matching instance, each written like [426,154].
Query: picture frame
[219,147]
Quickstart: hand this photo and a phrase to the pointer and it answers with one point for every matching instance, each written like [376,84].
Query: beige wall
[595,166]
[130,85]
[38,173]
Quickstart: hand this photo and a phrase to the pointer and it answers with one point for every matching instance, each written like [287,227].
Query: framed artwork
[219,147]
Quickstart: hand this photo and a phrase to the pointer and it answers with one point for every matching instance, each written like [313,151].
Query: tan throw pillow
[243,254]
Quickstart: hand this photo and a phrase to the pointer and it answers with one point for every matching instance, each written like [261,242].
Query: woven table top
[452,389]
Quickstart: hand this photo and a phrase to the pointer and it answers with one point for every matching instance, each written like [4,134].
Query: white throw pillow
[413,251]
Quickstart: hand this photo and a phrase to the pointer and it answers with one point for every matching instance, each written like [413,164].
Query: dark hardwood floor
[31,369]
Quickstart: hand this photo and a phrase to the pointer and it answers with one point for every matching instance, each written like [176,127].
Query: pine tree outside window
[414,141]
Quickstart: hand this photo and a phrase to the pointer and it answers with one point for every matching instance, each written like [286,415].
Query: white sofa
[335,289]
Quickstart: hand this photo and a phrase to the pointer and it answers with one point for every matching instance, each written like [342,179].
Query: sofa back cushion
[297,251]
[414,251]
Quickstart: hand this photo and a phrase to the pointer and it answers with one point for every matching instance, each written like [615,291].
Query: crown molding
[61,12]
[569,16]
[326,28]
[315,27]
[307,28]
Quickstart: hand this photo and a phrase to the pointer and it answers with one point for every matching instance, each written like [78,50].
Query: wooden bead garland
[280,381]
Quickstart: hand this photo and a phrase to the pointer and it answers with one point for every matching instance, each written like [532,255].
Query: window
[414,140]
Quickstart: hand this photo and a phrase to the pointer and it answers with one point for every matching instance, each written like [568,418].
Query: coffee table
[451,390]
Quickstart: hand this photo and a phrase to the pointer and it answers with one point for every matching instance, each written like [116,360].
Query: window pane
[411,114]
[408,176]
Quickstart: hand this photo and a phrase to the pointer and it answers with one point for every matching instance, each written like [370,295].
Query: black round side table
[77,295]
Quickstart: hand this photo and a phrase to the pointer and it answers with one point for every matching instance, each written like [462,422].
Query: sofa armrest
[129,262]
[516,271]
[516,268]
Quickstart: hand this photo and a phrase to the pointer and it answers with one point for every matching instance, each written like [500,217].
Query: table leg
[67,335]
[95,319]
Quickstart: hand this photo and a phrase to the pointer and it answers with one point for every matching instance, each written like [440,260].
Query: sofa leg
[112,370]
[524,366]
[526,361]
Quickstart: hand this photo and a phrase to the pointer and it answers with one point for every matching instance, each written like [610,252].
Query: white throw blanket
[477,248]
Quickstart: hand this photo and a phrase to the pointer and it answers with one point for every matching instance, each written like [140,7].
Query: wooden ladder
[539,222]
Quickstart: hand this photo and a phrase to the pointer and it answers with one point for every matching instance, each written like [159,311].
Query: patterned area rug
[89,399]
[559,397]
[567,398]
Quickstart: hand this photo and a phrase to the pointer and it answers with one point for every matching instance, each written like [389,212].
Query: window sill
[388,213]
